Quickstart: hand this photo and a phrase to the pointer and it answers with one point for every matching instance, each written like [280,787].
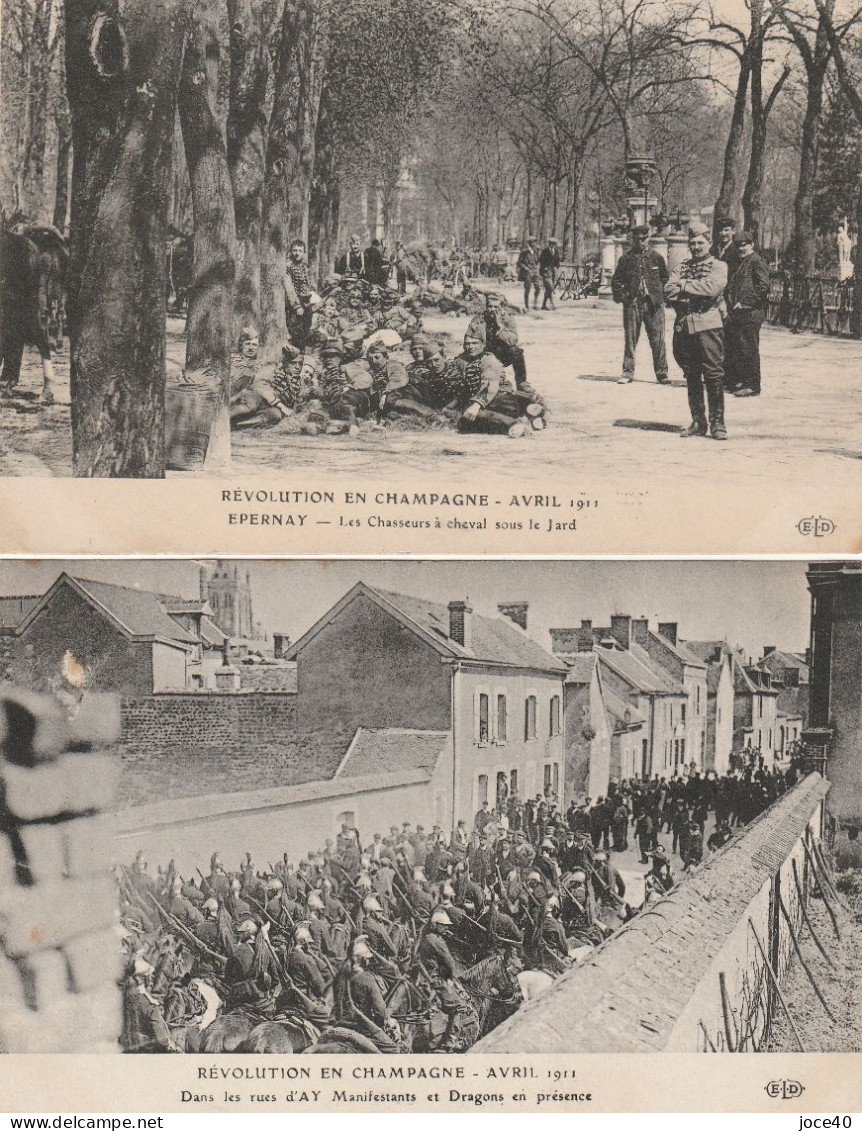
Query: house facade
[755,710]
[629,671]
[588,730]
[666,649]
[716,654]
[99,636]
[387,662]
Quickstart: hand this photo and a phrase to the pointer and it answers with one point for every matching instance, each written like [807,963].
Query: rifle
[612,894]
[275,924]
[193,939]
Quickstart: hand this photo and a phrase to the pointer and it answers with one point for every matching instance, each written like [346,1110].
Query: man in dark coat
[724,246]
[549,265]
[747,296]
[638,283]
[528,271]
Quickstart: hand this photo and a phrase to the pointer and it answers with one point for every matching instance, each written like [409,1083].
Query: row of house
[469,704]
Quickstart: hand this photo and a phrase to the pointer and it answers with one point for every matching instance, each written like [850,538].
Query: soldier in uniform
[502,337]
[306,976]
[747,299]
[696,292]
[144,1026]
[207,930]
[528,271]
[638,283]
[181,908]
[489,405]
[364,997]
[549,265]
[239,977]
[375,927]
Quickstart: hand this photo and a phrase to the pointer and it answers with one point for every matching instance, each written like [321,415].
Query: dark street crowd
[413,940]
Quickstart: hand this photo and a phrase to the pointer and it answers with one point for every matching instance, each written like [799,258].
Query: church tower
[227,587]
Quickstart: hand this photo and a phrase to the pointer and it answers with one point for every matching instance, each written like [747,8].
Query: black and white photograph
[568,240]
[388,807]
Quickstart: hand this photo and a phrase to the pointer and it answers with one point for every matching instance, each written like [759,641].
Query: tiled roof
[136,610]
[14,609]
[680,649]
[494,640]
[392,750]
[637,668]
[776,661]
[618,709]
[629,995]
[211,633]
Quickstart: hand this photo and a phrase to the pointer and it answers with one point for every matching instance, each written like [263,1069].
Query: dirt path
[806,426]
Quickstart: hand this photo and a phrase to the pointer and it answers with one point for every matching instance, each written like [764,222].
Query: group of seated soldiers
[358,353]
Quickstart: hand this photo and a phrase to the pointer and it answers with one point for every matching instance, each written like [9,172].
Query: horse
[532,983]
[292,1034]
[493,988]
[422,1024]
[228,1033]
[339,1039]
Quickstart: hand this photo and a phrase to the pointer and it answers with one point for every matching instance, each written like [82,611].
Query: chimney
[460,627]
[564,640]
[621,630]
[667,629]
[516,611]
[640,631]
[768,649]
[204,583]
[227,677]
[279,642]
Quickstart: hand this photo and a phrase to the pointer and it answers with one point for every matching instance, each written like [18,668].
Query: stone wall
[687,973]
[59,956]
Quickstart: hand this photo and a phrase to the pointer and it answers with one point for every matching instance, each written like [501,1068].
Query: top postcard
[431,276]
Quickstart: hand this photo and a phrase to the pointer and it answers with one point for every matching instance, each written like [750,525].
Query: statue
[845,247]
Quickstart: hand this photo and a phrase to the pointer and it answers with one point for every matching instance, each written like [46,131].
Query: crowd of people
[357,354]
[411,941]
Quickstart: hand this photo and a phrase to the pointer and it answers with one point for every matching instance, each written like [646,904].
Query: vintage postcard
[478,835]
[431,276]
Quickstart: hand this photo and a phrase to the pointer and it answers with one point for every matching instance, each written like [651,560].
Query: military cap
[697,228]
[332,346]
[725,222]
[642,230]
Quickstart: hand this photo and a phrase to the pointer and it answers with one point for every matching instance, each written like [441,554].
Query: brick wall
[59,956]
[206,718]
[200,743]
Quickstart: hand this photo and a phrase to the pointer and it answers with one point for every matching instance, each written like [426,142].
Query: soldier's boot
[715,397]
[698,426]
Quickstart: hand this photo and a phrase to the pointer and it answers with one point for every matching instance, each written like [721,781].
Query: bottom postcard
[474,834]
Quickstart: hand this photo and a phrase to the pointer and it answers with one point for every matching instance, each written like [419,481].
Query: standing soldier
[549,265]
[638,283]
[747,298]
[696,290]
[528,271]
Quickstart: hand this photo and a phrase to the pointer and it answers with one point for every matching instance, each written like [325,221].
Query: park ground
[809,418]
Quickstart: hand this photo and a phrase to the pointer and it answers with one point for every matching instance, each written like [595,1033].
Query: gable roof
[136,612]
[682,652]
[495,640]
[384,750]
[713,653]
[14,609]
[637,668]
[581,666]
[621,712]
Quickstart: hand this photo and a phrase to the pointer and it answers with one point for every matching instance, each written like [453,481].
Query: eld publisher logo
[784,1089]
[820,527]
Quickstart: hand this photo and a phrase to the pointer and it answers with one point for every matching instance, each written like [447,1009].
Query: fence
[807,302]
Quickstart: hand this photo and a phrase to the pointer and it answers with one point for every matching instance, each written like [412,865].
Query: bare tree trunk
[727,201]
[578,219]
[209,325]
[752,197]
[122,69]
[254,24]
[64,159]
[324,205]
